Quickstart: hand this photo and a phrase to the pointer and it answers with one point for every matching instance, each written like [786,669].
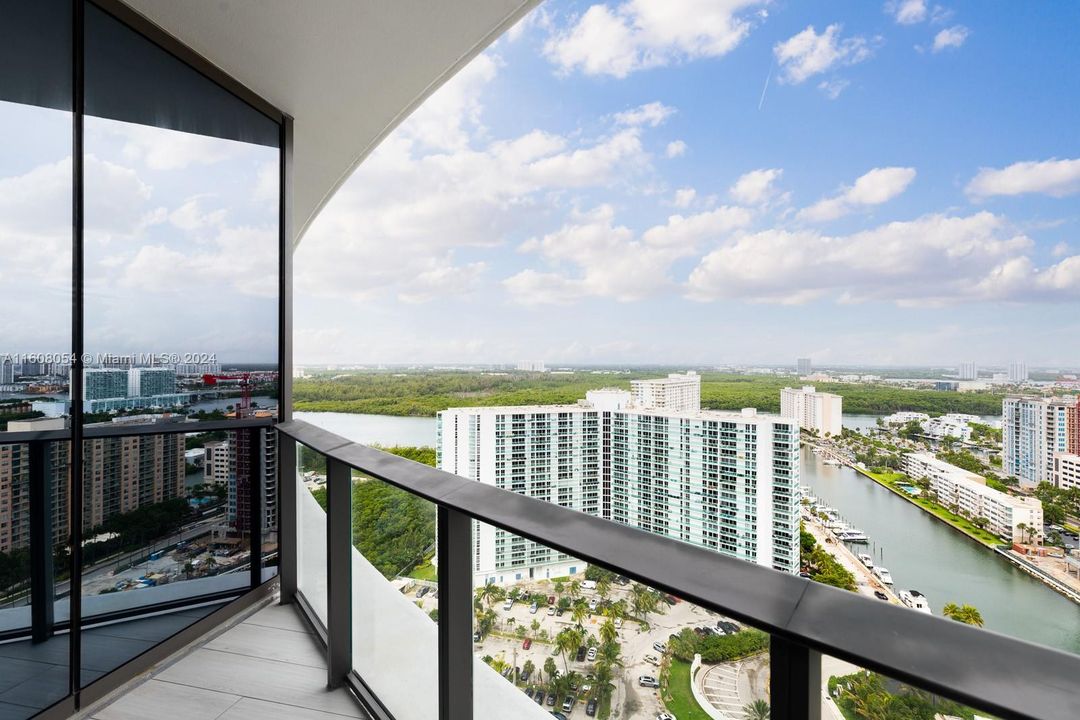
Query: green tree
[757,710]
[967,614]
[550,669]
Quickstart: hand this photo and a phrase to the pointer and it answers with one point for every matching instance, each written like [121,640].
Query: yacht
[866,560]
[833,461]
[915,600]
[883,575]
[853,535]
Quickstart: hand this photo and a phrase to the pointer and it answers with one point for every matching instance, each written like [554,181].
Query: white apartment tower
[1018,372]
[814,410]
[720,480]
[1033,431]
[677,391]
[969,371]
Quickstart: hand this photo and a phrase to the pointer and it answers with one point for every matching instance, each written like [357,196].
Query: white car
[652,660]
[618,623]
[593,604]
[532,609]
[659,647]
[665,716]
[551,609]
[591,655]
[648,681]
[508,604]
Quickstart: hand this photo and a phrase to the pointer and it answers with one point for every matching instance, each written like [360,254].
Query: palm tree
[567,641]
[574,591]
[559,585]
[603,587]
[610,655]
[581,611]
[608,633]
[528,667]
[757,710]
[550,669]
[490,593]
[602,677]
[535,626]
[967,614]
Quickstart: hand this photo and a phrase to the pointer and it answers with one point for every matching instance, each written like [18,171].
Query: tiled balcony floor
[268,667]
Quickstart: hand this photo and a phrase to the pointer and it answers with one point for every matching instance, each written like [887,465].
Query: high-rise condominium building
[148,382]
[969,371]
[7,370]
[678,391]
[721,480]
[803,366]
[220,468]
[532,366]
[1033,430]
[104,383]
[1018,372]
[814,410]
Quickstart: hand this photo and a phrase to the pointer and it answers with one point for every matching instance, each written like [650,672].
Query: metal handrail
[981,668]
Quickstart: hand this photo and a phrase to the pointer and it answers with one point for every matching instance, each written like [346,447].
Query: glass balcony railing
[615,622]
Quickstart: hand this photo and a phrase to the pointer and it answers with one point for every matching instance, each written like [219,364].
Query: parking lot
[635,644]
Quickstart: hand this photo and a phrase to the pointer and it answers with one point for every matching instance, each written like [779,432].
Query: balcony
[267,599]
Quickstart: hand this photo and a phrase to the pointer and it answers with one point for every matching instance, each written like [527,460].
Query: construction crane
[242,521]
[244,383]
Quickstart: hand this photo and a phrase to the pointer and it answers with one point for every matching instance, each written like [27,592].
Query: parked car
[551,609]
[652,660]
[527,644]
[508,604]
[424,590]
[590,708]
[533,608]
[558,716]
[618,623]
[551,599]
[665,716]
[593,604]
[621,580]
[529,692]
[559,612]
[539,699]
[659,647]
[477,637]
[880,595]
[551,699]
[591,655]
[581,654]
[568,704]
[507,671]
[648,681]
[588,584]
[525,675]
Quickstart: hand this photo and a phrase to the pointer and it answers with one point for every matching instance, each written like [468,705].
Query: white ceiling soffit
[347,71]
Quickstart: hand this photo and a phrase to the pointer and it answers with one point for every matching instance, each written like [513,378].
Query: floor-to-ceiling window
[140,284]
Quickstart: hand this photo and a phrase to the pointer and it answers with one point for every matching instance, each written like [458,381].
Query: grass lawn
[889,480]
[676,693]
[425,571]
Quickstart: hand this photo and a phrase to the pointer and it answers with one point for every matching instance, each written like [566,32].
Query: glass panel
[853,693]
[34,661]
[311,529]
[153,534]
[181,248]
[395,598]
[582,640]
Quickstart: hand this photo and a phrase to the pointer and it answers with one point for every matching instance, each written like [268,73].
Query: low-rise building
[1006,515]
[1067,470]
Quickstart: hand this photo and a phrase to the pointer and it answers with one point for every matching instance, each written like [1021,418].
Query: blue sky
[685,181]
[614,182]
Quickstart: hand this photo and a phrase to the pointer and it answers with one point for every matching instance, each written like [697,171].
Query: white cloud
[1061,249]
[756,187]
[675,148]
[833,88]
[144,144]
[394,227]
[907,12]
[652,114]
[446,120]
[618,40]
[684,196]
[1053,177]
[874,188]
[934,259]
[952,37]
[807,53]
[594,257]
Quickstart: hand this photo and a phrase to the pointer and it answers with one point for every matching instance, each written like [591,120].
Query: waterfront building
[532,366]
[1033,430]
[104,383]
[147,382]
[7,370]
[814,410]
[955,425]
[1018,372]
[969,495]
[904,417]
[677,391]
[1067,470]
[726,481]
[803,366]
[969,371]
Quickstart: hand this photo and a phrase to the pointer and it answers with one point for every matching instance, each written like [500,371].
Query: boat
[883,575]
[915,600]
[833,461]
[853,535]
[866,560]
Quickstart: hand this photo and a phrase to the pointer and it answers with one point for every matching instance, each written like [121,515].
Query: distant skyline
[698,182]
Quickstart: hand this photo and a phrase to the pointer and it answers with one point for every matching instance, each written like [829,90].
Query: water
[923,553]
[383,430]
